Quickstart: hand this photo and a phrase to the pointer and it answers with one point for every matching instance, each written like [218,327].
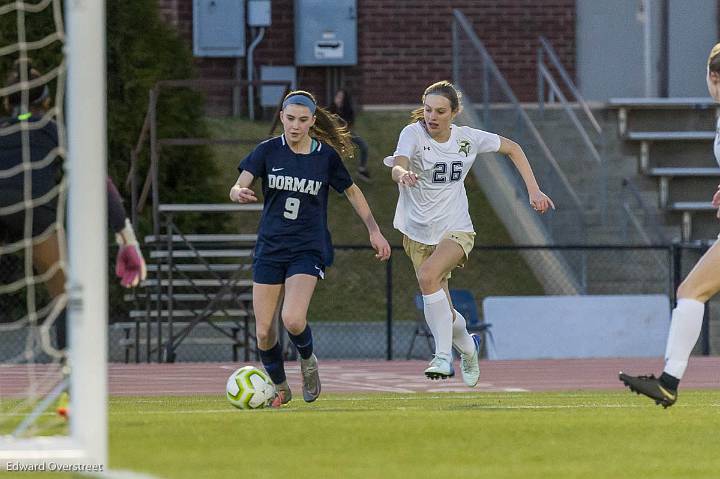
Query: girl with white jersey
[699,286]
[432,159]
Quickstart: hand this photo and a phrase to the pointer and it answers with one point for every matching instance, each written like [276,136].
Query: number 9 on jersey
[292,206]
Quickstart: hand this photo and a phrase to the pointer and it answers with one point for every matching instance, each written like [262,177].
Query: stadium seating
[194,281]
[675,129]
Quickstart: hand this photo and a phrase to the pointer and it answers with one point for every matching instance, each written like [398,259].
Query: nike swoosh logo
[277,169]
[318,268]
[667,393]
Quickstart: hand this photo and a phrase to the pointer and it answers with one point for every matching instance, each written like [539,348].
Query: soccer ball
[249,388]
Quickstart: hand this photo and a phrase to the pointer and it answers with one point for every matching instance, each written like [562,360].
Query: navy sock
[669,382]
[272,361]
[60,326]
[303,342]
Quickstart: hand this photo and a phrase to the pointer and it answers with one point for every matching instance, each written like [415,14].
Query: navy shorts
[44,216]
[12,227]
[276,272]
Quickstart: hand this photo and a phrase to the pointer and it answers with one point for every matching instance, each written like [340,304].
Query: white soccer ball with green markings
[249,388]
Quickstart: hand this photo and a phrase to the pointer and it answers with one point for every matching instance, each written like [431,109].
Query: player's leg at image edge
[687,318]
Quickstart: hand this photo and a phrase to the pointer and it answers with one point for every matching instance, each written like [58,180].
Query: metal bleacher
[198,290]
[675,138]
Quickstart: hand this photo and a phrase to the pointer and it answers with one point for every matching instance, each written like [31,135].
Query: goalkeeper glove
[129,265]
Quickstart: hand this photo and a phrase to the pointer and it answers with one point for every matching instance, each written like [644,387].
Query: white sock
[462,340]
[439,318]
[687,318]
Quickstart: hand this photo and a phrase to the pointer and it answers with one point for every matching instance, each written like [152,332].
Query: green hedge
[141,49]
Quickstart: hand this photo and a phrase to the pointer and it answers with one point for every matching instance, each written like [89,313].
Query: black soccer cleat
[650,386]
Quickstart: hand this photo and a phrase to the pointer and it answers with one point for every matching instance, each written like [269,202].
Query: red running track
[375,376]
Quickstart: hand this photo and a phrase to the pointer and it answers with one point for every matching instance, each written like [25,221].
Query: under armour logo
[426,148]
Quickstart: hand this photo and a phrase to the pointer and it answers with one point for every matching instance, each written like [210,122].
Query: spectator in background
[342,106]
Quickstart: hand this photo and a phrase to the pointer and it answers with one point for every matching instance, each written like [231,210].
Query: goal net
[53,266]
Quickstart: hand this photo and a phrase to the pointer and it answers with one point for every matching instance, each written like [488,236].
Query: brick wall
[405,45]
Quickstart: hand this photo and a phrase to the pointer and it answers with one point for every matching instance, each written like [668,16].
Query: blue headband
[300,100]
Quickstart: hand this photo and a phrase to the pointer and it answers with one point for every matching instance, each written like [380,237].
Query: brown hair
[713,62]
[442,88]
[35,94]
[328,128]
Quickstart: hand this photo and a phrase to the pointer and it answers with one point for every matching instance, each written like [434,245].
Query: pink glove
[129,265]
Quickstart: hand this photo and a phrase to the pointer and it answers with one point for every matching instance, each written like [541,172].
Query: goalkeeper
[43,174]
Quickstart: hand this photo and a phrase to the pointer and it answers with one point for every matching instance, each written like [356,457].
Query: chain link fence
[366,309]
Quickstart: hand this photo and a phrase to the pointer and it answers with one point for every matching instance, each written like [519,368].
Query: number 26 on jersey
[440,172]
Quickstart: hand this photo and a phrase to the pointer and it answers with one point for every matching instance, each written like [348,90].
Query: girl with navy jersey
[293,246]
[699,286]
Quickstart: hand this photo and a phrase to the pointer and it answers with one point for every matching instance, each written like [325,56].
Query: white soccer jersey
[438,202]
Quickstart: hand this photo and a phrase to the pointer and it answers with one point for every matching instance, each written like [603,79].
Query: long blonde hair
[713,62]
[328,128]
[442,88]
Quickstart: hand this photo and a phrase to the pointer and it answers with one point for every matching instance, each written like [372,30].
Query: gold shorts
[419,252]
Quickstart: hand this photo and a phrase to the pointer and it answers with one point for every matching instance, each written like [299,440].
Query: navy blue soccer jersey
[295,187]
[42,142]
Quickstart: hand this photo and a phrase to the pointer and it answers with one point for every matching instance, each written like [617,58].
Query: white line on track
[469,407]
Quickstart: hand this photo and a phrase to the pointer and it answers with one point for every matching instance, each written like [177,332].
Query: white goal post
[86,169]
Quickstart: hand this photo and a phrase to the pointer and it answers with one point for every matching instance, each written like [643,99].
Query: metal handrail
[546,47]
[464,23]
[630,190]
[150,129]
[544,74]
[131,179]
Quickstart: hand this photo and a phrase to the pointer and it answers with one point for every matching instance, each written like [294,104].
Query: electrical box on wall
[325,32]
[219,28]
[259,13]
[271,95]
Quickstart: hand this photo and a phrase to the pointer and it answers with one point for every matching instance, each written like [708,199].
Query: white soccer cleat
[469,365]
[440,367]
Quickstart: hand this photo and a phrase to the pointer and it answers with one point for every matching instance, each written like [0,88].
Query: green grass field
[481,435]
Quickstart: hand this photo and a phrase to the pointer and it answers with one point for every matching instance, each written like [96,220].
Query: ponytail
[329,129]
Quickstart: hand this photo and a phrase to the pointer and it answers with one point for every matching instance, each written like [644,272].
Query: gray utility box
[270,95]
[325,32]
[259,13]
[219,28]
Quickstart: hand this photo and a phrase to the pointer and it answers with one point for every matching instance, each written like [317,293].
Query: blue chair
[463,302]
